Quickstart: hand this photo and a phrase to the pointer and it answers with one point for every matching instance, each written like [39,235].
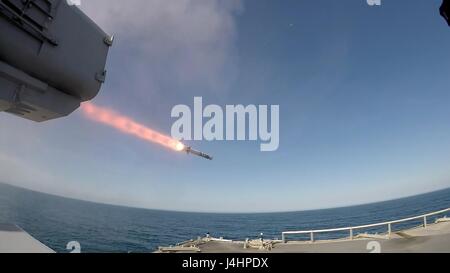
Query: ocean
[55,221]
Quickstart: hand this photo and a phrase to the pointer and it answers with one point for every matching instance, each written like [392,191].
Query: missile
[189,150]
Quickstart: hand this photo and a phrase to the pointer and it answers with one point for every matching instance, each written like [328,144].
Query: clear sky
[363,94]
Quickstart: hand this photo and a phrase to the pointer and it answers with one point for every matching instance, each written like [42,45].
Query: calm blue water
[103,228]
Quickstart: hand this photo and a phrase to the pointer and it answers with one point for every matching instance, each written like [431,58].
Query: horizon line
[216,212]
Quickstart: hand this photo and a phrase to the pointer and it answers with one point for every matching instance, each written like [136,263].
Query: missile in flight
[189,150]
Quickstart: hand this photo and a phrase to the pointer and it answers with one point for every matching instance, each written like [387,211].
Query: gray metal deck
[429,238]
[413,241]
[15,240]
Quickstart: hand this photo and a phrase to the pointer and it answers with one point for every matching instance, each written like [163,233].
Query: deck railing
[351,230]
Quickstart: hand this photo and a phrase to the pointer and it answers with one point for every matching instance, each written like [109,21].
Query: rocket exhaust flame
[129,126]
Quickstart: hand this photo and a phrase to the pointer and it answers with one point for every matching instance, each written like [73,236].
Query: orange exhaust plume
[128,126]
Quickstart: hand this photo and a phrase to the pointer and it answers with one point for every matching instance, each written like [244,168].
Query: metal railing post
[283,238]
[351,234]
[312,236]
[425,223]
[389,230]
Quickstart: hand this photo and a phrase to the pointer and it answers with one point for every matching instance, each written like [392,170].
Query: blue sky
[363,95]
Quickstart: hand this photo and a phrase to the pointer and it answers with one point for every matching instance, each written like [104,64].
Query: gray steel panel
[73,65]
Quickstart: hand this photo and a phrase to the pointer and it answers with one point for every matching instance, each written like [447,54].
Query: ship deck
[435,238]
[15,240]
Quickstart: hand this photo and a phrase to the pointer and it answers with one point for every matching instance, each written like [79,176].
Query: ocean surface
[55,221]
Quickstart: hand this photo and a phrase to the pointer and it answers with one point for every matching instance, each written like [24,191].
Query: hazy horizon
[219,212]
